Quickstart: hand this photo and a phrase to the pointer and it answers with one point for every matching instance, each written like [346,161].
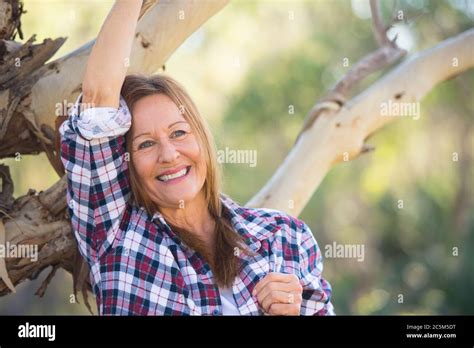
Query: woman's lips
[175,177]
[173,171]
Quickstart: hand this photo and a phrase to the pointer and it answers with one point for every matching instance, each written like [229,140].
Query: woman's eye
[178,133]
[144,144]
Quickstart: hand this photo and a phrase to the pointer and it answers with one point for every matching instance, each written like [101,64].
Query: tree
[335,129]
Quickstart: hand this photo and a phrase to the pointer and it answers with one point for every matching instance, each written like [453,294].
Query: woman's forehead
[156,111]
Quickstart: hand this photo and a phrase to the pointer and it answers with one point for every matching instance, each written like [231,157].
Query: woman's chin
[175,195]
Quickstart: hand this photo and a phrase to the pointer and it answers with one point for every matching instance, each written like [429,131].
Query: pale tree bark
[159,33]
[334,130]
[339,131]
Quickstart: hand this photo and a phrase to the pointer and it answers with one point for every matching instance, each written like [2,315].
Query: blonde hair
[223,263]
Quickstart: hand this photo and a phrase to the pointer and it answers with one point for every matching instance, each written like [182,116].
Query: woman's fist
[279,294]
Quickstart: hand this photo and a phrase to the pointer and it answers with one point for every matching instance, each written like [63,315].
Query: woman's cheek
[197,156]
[143,163]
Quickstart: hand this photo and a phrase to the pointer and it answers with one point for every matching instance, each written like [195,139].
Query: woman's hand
[279,294]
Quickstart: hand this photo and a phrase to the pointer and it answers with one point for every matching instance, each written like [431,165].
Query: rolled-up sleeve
[316,290]
[100,122]
[93,153]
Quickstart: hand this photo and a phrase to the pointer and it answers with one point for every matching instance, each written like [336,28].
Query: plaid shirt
[138,264]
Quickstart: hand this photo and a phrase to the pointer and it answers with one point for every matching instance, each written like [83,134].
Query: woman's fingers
[276,286]
[282,289]
[282,297]
[284,309]
[273,277]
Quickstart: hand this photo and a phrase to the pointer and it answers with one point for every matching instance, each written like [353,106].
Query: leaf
[3,266]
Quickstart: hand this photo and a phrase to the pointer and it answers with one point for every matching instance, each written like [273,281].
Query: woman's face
[166,154]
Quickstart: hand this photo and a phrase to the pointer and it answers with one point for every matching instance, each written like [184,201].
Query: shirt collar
[247,222]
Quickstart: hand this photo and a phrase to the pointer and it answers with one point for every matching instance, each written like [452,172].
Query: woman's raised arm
[107,63]
[93,149]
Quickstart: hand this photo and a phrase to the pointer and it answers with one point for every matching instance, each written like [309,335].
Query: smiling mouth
[174,176]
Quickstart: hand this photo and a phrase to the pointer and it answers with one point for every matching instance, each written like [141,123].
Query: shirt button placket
[215,311]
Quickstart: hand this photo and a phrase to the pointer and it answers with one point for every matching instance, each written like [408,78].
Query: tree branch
[161,30]
[39,219]
[379,29]
[10,14]
[340,133]
[386,55]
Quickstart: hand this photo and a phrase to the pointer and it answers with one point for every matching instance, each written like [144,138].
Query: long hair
[223,261]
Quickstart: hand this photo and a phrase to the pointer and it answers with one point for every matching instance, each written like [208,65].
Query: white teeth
[173,176]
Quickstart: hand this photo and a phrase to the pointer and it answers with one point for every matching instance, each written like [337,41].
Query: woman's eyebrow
[171,125]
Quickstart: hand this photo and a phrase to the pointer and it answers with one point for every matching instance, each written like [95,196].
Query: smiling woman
[173,169]
[157,232]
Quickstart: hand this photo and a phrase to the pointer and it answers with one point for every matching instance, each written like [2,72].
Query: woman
[146,208]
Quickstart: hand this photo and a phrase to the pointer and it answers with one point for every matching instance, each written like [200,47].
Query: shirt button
[215,312]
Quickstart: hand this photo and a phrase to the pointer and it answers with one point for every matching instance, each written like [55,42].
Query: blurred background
[244,68]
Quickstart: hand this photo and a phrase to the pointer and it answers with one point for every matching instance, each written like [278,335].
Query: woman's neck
[193,217]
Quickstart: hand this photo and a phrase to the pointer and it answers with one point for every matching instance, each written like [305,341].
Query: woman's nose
[168,152]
